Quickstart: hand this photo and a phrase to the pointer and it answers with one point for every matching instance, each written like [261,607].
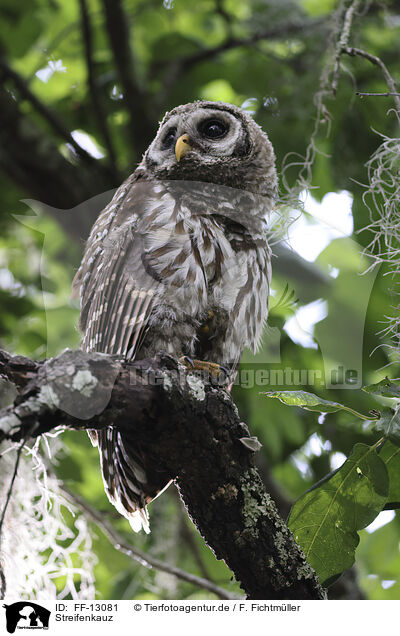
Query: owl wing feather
[117,292]
[117,297]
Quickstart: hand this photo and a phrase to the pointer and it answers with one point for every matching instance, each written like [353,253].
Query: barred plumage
[179,262]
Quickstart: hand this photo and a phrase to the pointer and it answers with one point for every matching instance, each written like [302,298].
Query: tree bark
[188,429]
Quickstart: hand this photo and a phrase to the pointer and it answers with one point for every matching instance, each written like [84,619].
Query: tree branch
[377,94]
[18,369]
[225,15]
[141,125]
[56,124]
[189,431]
[378,62]
[186,536]
[3,582]
[343,41]
[94,93]
[119,542]
[184,64]
[36,165]
[277,31]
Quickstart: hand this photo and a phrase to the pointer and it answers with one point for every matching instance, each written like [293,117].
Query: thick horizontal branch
[190,431]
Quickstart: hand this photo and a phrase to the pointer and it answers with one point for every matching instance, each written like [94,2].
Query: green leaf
[312,402]
[325,520]
[389,424]
[390,454]
[386,388]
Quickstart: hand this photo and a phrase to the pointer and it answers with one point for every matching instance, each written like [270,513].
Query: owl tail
[126,483]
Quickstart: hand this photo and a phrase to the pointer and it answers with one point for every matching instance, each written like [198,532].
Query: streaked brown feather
[165,254]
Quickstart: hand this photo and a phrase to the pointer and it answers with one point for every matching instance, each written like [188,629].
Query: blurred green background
[82,87]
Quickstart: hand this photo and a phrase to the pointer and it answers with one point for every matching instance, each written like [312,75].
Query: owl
[179,262]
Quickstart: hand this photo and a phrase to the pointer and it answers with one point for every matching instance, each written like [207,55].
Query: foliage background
[105,72]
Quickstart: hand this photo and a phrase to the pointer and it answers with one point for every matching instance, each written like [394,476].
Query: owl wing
[117,289]
[117,292]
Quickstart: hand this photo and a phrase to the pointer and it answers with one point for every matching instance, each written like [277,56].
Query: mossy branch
[189,430]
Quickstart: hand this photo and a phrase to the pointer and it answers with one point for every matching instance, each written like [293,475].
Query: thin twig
[94,93]
[3,582]
[276,31]
[9,493]
[144,559]
[377,94]
[378,62]
[343,42]
[184,64]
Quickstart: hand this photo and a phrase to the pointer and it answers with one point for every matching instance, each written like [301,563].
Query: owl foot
[215,371]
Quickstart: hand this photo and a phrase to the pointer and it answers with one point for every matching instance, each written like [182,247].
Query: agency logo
[26,615]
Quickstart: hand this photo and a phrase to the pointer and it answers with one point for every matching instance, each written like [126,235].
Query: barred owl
[179,262]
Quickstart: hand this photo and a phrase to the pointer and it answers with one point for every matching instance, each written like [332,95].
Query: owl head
[212,142]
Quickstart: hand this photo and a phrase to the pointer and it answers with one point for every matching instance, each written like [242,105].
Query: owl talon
[215,371]
[187,362]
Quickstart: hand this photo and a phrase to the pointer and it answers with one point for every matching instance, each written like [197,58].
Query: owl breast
[211,299]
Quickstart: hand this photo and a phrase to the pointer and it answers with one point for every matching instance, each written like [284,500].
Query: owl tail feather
[125,480]
[138,520]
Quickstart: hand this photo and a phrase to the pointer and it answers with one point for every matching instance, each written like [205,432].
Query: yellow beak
[182,146]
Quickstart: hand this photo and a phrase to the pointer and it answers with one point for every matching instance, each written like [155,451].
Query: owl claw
[187,362]
[216,371]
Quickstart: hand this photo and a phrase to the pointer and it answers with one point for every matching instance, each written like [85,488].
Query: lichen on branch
[191,431]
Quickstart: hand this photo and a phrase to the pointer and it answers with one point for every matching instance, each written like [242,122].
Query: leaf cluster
[326,519]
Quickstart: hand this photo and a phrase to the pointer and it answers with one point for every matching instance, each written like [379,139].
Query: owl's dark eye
[169,138]
[213,128]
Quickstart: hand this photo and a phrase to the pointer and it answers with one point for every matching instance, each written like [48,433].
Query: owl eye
[169,138]
[213,128]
